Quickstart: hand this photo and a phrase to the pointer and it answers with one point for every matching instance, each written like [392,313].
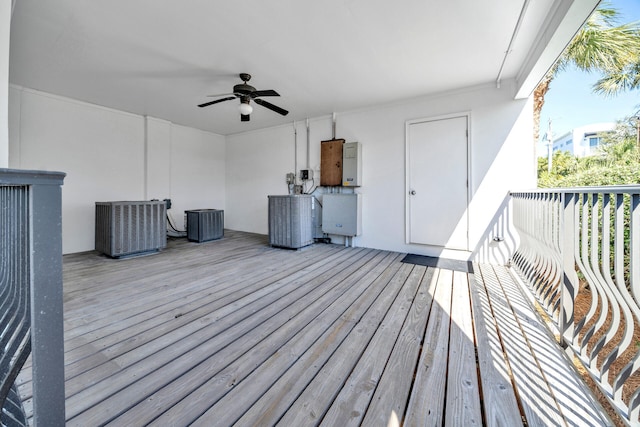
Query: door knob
[412,192]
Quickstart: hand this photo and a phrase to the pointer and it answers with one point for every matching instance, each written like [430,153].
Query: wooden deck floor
[236,332]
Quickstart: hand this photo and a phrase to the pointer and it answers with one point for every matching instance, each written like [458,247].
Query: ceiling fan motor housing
[243,89]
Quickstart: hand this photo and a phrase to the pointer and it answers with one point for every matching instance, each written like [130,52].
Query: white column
[5,25]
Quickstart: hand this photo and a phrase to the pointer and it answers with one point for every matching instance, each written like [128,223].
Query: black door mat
[446,263]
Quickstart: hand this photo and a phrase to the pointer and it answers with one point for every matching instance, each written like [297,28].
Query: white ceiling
[162,57]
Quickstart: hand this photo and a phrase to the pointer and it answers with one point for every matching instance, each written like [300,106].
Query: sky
[570,102]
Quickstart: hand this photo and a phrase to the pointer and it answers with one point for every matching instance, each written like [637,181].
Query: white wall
[197,171]
[5,30]
[257,163]
[501,159]
[112,155]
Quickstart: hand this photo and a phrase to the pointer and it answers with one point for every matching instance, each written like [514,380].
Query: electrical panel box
[352,164]
[342,214]
[331,162]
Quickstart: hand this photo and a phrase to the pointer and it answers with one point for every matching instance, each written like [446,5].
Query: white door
[437,182]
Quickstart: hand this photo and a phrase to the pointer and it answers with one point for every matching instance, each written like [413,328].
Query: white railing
[31,295]
[580,254]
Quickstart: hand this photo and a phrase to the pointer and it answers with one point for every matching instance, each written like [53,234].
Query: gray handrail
[31,290]
[580,254]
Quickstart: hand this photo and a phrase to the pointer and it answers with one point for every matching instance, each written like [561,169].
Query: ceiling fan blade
[245,117]
[206,104]
[220,94]
[272,107]
[268,92]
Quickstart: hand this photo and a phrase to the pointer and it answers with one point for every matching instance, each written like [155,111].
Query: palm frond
[601,48]
[622,81]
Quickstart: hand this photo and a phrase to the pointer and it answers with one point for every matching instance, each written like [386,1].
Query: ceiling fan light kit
[246,93]
[245,108]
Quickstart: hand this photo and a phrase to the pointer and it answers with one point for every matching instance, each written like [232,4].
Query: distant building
[583,141]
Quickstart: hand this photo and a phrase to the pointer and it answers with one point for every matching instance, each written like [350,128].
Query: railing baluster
[605,297]
[634,249]
[618,304]
[569,276]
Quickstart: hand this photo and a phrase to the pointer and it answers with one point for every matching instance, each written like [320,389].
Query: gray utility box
[352,164]
[205,224]
[127,228]
[290,221]
[342,214]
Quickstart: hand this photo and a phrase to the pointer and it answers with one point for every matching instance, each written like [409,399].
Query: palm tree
[603,46]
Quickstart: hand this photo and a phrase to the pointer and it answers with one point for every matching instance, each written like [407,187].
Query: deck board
[463,394]
[392,392]
[319,373]
[259,369]
[427,401]
[320,336]
[194,359]
[501,406]
[236,332]
[356,375]
[578,408]
[540,407]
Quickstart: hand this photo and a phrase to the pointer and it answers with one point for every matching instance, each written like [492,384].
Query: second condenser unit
[205,224]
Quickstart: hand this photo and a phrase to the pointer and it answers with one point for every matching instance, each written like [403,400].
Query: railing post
[569,283]
[47,338]
[40,228]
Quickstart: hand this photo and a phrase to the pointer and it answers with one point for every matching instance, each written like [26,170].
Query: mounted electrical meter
[352,164]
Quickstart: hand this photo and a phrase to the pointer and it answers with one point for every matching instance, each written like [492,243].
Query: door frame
[407,169]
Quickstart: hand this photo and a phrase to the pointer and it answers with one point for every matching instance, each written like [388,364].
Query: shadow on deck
[233,331]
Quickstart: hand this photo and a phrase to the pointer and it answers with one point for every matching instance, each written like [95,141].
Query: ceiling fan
[246,93]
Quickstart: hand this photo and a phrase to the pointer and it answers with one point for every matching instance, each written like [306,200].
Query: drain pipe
[516,30]
[295,155]
[308,144]
[333,125]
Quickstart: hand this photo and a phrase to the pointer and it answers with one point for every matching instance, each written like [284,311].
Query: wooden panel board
[331,162]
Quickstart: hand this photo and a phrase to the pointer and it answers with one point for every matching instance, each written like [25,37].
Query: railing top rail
[28,177]
[626,189]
